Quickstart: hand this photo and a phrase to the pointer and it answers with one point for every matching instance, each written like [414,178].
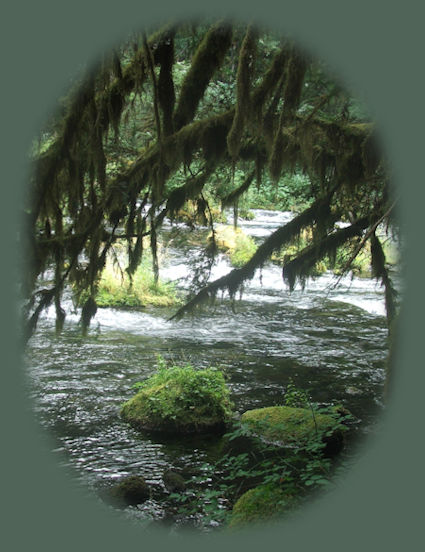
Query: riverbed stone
[173,481]
[290,426]
[130,491]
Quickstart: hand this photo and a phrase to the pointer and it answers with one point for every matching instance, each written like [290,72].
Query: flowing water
[332,342]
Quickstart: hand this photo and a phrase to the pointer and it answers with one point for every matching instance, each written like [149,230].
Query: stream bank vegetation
[116,289]
[178,124]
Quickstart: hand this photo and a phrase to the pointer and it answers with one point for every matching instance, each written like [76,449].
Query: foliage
[267,479]
[235,243]
[180,398]
[291,192]
[296,397]
[115,289]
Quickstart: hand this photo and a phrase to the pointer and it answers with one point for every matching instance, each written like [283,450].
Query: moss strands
[97,180]
[207,59]
[243,86]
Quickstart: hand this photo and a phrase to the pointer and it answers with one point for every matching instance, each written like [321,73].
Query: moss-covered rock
[261,504]
[182,400]
[291,426]
[131,490]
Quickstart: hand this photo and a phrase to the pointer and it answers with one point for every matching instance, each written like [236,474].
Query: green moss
[236,244]
[288,425]
[261,504]
[115,290]
[180,399]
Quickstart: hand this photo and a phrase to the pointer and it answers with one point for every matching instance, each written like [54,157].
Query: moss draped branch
[233,281]
[86,193]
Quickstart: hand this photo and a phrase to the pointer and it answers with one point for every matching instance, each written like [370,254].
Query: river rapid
[331,341]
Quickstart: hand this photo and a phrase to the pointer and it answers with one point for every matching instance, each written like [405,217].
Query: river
[332,342]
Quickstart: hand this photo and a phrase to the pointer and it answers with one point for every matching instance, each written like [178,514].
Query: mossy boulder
[259,505]
[180,400]
[290,426]
[130,490]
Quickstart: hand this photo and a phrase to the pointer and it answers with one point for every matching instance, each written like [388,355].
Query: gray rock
[173,481]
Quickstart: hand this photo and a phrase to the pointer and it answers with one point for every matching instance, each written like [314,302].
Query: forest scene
[211,277]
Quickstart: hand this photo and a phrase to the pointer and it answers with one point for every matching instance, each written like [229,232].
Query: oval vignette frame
[374,497]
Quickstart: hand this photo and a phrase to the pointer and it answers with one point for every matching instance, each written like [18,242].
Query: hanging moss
[271,79]
[88,311]
[75,174]
[300,267]
[116,105]
[380,272]
[236,194]
[207,59]
[243,85]
[271,120]
[166,95]
[69,135]
[371,156]
[191,190]
[295,74]
[277,156]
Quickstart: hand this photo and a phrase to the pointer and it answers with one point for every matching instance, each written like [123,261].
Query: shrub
[262,477]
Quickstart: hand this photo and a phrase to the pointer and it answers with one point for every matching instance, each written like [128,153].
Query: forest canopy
[201,112]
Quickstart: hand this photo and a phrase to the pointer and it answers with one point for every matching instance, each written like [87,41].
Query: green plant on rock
[180,399]
[294,396]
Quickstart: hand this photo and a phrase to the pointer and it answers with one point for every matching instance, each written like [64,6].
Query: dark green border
[376,47]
